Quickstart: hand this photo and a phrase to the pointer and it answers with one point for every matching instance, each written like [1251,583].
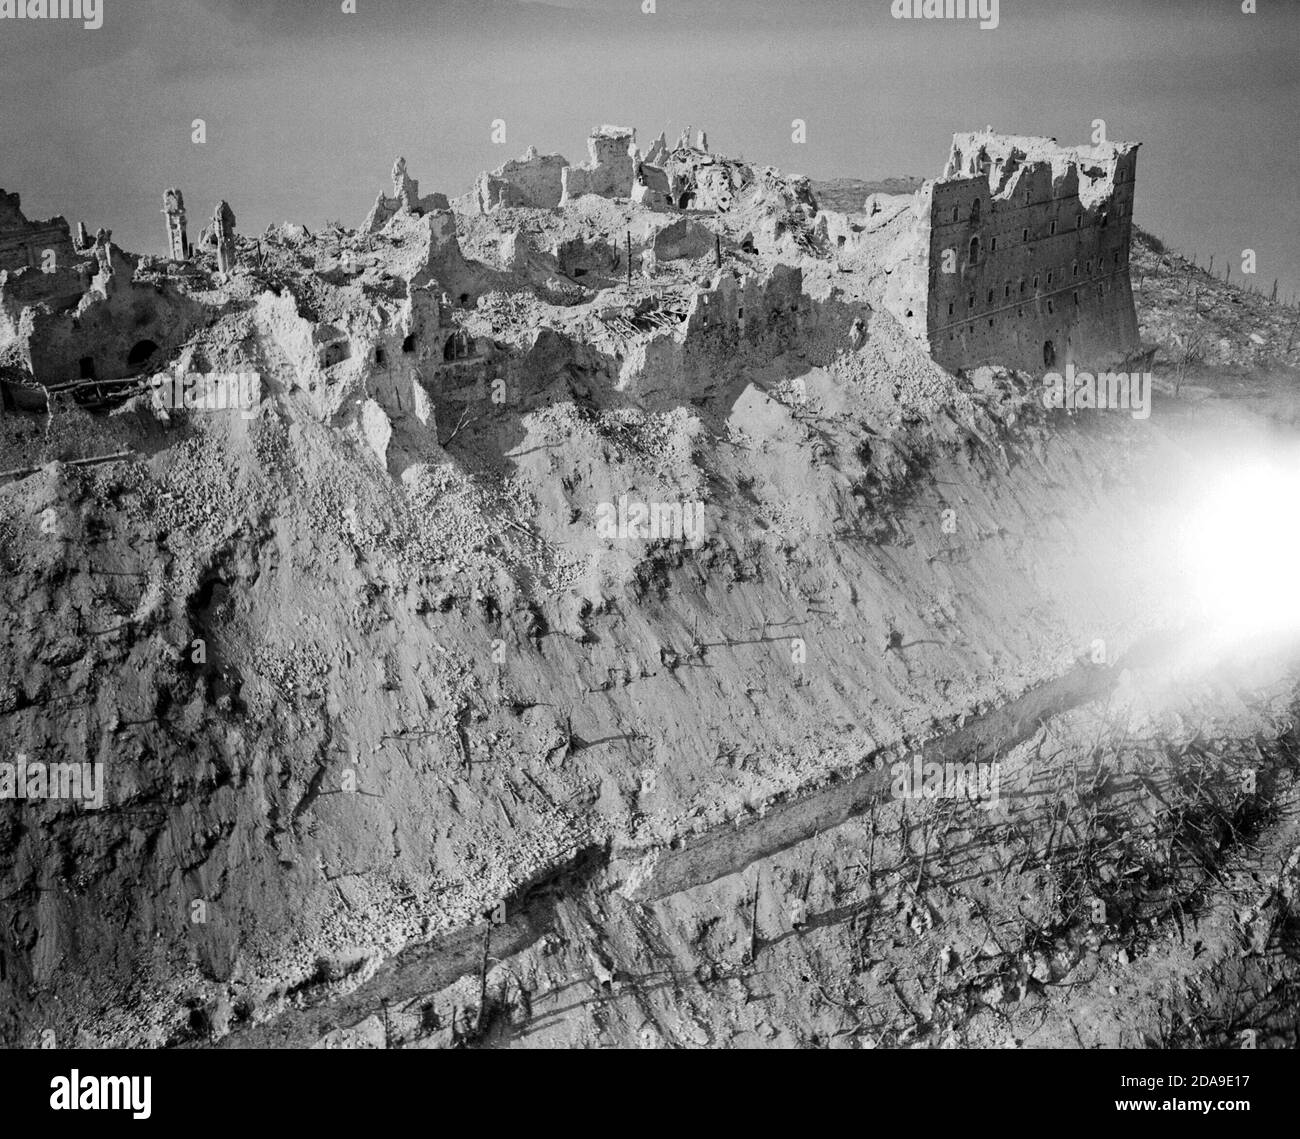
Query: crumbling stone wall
[58,292]
[1037,240]
[406,199]
[906,286]
[684,238]
[651,186]
[23,243]
[535,180]
[738,326]
[702,181]
[611,169]
[431,254]
[119,328]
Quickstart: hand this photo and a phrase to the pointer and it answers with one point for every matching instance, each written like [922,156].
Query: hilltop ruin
[667,271]
[369,646]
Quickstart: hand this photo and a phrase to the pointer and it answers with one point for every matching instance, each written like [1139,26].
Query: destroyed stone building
[452,393]
[406,199]
[95,320]
[609,170]
[1024,249]
[31,244]
[1017,255]
[535,180]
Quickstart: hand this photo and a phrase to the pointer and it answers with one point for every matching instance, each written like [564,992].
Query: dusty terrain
[443,765]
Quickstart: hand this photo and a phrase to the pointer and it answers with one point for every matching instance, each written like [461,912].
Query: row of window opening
[1051,307]
[1103,221]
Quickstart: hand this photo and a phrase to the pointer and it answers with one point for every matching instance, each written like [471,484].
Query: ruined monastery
[663,273]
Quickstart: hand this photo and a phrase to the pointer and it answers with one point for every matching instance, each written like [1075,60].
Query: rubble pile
[393,572]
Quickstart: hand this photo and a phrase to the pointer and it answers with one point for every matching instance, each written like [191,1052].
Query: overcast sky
[306,107]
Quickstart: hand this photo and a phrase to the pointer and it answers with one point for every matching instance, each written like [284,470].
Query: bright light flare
[1240,551]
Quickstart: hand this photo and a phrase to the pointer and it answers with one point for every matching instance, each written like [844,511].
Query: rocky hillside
[381,679]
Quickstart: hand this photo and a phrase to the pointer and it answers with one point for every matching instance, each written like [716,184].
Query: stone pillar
[223,229]
[178,242]
[103,250]
[405,188]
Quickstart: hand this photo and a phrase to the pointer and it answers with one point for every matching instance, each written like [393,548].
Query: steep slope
[362,664]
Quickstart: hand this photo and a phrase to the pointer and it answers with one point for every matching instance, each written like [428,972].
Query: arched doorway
[1049,353]
[141,353]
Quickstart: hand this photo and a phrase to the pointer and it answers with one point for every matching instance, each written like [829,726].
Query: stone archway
[141,353]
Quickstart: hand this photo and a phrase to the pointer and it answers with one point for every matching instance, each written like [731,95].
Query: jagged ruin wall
[733,328]
[118,329]
[23,244]
[535,180]
[406,198]
[609,172]
[1041,275]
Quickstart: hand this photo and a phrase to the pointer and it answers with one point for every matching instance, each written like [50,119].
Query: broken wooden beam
[78,385]
[23,472]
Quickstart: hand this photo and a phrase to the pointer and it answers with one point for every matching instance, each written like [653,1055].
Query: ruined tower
[223,230]
[178,242]
[1025,249]
[610,169]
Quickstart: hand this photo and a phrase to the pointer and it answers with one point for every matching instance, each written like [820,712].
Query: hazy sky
[306,107]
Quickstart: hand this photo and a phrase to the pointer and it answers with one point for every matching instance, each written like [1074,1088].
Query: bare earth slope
[361,670]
